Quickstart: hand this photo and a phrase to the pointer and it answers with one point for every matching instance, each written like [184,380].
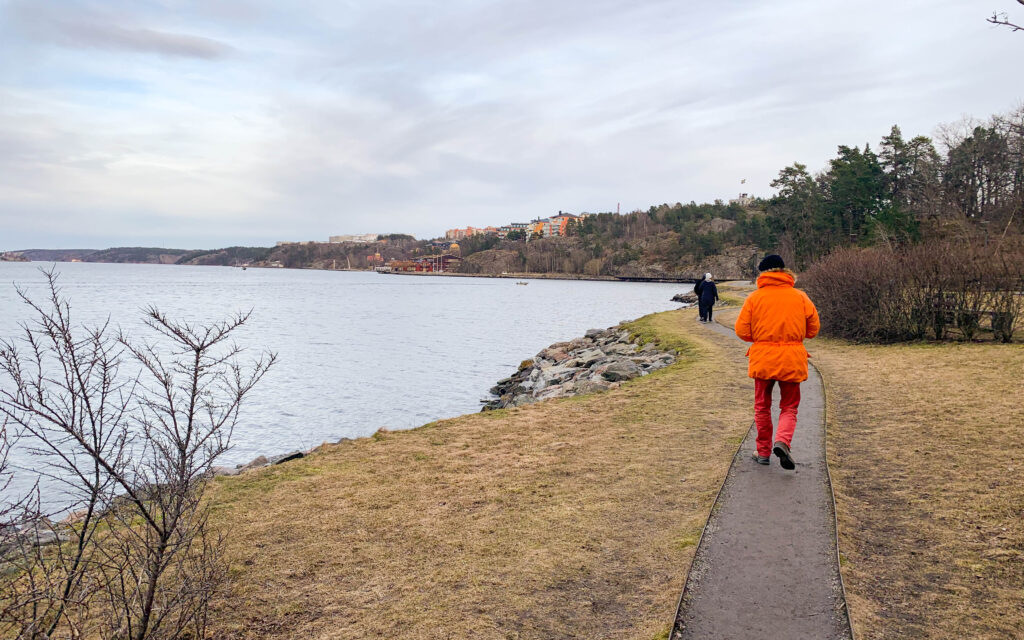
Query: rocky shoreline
[602,359]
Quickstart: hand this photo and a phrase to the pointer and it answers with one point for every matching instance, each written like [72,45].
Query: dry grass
[925,454]
[925,449]
[569,518]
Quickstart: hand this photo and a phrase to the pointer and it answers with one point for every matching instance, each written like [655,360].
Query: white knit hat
[707,276]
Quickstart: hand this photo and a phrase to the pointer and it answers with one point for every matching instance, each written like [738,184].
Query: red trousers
[763,413]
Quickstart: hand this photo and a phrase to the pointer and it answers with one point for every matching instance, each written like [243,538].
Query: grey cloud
[110,36]
[106,29]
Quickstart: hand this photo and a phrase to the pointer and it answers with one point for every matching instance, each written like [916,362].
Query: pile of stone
[601,360]
[686,299]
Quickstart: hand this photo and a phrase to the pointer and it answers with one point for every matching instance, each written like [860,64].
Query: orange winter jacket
[777,318]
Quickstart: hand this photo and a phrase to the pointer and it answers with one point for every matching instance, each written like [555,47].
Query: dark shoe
[759,459]
[781,449]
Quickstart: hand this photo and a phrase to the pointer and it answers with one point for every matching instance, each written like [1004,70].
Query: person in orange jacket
[776,319]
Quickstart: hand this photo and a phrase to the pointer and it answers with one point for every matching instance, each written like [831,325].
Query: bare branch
[1002,19]
[132,450]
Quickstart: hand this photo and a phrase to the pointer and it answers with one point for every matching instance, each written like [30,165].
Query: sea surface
[356,350]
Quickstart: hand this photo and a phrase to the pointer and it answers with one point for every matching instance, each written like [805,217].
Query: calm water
[357,351]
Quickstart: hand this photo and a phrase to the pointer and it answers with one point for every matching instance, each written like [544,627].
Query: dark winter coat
[708,293]
[697,287]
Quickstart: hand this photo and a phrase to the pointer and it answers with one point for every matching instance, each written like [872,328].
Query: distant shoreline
[543,276]
[512,276]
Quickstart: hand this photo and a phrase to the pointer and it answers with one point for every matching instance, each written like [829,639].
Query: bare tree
[63,391]
[131,452]
[1002,19]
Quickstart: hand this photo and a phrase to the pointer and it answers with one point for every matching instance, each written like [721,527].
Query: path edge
[835,510]
[704,529]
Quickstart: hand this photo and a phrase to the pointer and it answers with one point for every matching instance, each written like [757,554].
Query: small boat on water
[521,282]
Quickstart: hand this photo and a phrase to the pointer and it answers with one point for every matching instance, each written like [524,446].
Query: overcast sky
[213,123]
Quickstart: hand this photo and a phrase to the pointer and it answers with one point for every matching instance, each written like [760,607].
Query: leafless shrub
[1007,296]
[932,290]
[130,451]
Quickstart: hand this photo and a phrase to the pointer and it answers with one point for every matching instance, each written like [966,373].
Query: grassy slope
[925,454]
[569,518]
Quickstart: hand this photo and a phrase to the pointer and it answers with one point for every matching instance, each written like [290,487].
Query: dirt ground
[568,518]
[925,450]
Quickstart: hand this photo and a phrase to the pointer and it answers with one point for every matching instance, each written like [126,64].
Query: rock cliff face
[492,261]
[600,360]
[733,263]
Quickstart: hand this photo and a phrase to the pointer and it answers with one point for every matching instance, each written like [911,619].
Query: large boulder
[621,370]
[255,463]
[592,386]
[589,357]
[286,457]
[621,348]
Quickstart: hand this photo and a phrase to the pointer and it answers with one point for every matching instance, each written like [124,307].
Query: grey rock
[286,457]
[590,356]
[554,391]
[524,400]
[255,463]
[621,370]
[553,354]
[601,360]
[619,348]
[580,343]
[224,471]
[591,386]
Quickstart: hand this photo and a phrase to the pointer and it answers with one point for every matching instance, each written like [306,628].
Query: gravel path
[766,565]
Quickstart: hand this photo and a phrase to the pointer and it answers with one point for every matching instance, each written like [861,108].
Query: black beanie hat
[771,262]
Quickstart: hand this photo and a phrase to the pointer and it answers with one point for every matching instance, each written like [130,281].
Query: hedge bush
[938,290]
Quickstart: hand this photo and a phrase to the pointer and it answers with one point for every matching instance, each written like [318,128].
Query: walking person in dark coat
[696,291]
[708,297]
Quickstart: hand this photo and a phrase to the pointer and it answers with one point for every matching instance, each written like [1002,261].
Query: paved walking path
[766,566]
